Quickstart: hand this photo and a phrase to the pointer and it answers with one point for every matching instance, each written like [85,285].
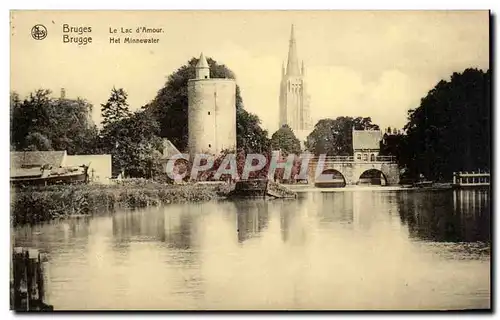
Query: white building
[366,144]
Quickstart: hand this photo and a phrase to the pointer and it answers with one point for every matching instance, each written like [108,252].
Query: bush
[37,204]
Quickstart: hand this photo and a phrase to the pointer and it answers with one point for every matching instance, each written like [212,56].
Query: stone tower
[211,112]
[294,100]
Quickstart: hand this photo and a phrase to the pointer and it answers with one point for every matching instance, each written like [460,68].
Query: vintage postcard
[250,160]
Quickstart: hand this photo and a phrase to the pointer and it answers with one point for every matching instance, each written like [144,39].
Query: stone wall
[211,115]
[352,171]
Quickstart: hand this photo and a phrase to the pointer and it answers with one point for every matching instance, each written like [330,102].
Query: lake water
[339,250]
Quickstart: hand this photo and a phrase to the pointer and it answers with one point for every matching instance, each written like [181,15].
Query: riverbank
[311,188]
[38,204]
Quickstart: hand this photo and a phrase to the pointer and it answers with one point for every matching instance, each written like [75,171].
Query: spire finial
[292,68]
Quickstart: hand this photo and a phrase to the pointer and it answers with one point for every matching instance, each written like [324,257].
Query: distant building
[211,112]
[168,152]
[99,166]
[366,144]
[27,163]
[294,100]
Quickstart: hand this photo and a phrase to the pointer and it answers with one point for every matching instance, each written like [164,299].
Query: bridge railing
[342,159]
[385,159]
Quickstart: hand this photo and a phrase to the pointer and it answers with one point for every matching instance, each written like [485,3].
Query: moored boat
[260,188]
[333,183]
[46,176]
[423,184]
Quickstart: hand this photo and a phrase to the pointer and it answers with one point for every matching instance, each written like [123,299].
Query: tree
[134,144]
[36,141]
[250,137]
[333,137]
[116,108]
[170,107]
[71,126]
[451,129]
[41,122]
[284,139]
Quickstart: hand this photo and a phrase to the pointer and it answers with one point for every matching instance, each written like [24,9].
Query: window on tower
[208,112]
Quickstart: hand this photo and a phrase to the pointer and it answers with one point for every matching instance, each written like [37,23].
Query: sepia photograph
[329,160]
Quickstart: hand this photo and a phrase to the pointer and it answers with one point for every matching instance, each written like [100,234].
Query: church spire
[292,68]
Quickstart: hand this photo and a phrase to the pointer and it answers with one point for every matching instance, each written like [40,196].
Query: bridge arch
[330,178]
[372,177]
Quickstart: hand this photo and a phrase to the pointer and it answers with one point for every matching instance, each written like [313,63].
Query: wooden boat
[333,183]
[260,188]
[423,184]
[47,176]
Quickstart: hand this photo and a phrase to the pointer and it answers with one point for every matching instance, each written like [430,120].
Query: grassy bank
[37,204]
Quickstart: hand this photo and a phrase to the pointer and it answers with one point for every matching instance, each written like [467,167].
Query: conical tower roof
[292,67]
[202,62]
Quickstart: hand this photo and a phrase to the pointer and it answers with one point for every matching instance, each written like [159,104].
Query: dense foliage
[36,204]
[116,108]
[131,138]
[170,107]
[451,129]
[333,137]
[285,140]
[41,122]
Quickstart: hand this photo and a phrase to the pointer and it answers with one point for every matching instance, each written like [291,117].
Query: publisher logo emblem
[39,32]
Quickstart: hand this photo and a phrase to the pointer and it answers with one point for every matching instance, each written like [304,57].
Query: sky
[376,64]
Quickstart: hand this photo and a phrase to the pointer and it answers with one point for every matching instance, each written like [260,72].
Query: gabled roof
[30,159]
[169,149]
[366,139]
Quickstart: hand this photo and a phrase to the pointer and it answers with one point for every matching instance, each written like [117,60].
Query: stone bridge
[351,170]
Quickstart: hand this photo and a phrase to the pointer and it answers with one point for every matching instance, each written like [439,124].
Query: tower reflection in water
[252,218]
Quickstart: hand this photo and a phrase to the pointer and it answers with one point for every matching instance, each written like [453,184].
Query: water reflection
[252,218]
[135,226]
[63,235]
[447,216]
[179,230]
[334,207]
[286,217]
[341,250]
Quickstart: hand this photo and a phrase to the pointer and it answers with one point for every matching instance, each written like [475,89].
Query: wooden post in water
[27,286]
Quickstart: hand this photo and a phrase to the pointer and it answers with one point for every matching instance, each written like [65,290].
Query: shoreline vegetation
[36,204]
